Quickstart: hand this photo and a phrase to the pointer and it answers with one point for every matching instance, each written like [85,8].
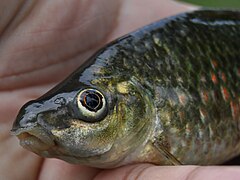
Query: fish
[167,93]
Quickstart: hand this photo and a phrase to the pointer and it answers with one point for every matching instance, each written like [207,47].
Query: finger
[146,171]
[57,169]
[52,39]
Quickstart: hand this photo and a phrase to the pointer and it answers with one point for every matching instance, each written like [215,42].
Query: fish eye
[91,104]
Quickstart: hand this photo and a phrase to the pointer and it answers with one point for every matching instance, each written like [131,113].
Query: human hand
[41,43]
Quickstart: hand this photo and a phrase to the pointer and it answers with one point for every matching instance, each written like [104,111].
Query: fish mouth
[35,139]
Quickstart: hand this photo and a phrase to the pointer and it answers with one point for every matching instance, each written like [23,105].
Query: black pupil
[92,100]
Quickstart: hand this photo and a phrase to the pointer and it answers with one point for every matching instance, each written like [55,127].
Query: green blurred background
[216,3]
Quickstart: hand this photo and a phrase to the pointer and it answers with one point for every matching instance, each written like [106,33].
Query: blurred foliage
[216,3]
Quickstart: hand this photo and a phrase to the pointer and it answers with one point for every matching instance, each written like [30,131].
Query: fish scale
[175,91]
[192,68]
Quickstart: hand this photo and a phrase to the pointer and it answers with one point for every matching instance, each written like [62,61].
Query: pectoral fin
[165,153]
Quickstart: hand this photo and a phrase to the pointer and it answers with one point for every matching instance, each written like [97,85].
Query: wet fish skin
[172,92]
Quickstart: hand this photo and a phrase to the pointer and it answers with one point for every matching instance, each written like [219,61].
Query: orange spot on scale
[214,78]
[235,108]
[182,99]
[204,96]
[225,93]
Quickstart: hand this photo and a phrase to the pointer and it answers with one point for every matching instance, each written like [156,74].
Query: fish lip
[34,137]
[17,131]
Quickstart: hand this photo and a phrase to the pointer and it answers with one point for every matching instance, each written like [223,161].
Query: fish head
[95,124]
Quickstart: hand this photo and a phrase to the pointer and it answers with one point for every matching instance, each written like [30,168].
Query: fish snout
[26,118]
[31,134]
[36,139]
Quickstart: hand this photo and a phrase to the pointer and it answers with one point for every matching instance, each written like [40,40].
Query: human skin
[41,43]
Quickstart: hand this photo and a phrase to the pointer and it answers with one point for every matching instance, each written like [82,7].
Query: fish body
[168,93]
